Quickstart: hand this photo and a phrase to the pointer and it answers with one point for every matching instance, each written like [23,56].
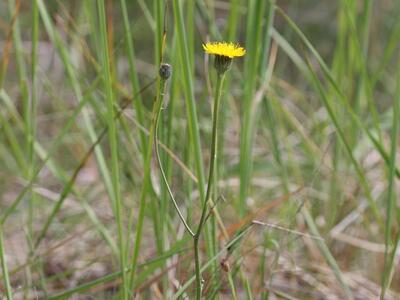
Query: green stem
[213,156]
[391,246]
[232,286]
[4,267]
[164,177]
[193,126]
[146,184]
[33,105]
[130,51]
[116,198]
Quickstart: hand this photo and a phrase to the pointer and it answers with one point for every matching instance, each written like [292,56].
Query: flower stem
[164,177]
[213,156]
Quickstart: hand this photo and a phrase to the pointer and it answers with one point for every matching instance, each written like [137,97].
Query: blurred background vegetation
[306,192]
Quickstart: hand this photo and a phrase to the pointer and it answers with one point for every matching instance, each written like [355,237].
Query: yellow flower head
[224,49]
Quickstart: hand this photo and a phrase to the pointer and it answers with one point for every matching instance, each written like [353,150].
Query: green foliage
[103,186]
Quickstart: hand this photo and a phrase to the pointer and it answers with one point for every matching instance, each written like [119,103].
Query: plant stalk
[6,277]
[146,183]
[163,175]
[213,157]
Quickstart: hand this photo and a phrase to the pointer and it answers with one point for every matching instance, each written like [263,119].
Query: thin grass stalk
[204,12]
[389,49]
[326,253]
[23,79]
[365,26]
[233,20]
[158,35]
[168,110]
[34,96]
[272,125]
[264,292]
[135,85]
[16,35]
[266,38]
[130,51]
[190,30]
[173,95]
[338,70]
[188,155]
[113,139]
[157,204]
[147,14]
[92,16]
[232,286]
[391,199]
[16,149]
[254,46]
[145,186]
[4,267]
[247,285]
[392,261]
[4,60]
[12,37]
[359,44]
[270,14]
[231,36]
[334,190]
[30,113]
[189,96]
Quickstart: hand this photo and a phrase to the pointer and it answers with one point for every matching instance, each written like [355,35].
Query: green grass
[116,183]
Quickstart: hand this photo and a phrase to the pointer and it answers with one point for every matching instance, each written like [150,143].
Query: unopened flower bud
[222,63]
[165,71]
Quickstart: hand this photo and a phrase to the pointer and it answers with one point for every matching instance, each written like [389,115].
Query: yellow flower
[224,49]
